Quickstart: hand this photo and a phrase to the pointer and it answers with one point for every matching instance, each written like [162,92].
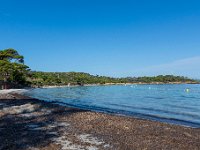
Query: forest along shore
[27,123]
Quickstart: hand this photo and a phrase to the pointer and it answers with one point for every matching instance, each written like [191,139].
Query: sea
[170,103]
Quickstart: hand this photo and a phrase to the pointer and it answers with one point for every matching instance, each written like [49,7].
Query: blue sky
[105,37]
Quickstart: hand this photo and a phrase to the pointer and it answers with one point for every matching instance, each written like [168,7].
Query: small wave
[191,97]
[189,114]
[189,108]
[151,97]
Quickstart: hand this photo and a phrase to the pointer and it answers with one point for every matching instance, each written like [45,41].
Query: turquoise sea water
[165,103]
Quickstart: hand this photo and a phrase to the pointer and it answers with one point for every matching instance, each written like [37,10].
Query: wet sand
[31,124]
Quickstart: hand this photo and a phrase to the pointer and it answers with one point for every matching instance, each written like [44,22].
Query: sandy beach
[31,124]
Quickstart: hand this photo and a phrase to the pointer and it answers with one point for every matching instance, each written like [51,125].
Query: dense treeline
[79,78]
[161,79]
[13,70]
[65,78]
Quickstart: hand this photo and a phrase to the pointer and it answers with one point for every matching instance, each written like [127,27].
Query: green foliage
[11,54]
[163,79]
[12,68]
[80,78]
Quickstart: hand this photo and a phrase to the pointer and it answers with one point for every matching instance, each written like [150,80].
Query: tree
[11,55]
[12,68]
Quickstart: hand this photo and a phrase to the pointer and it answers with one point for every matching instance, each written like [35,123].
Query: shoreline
[59,127]
[107,84]
[182,123]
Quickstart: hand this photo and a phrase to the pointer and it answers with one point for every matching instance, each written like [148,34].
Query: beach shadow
[30,123]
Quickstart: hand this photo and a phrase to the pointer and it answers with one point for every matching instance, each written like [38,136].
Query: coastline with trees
[15,74]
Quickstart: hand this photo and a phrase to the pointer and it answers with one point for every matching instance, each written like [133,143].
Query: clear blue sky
[105,37]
